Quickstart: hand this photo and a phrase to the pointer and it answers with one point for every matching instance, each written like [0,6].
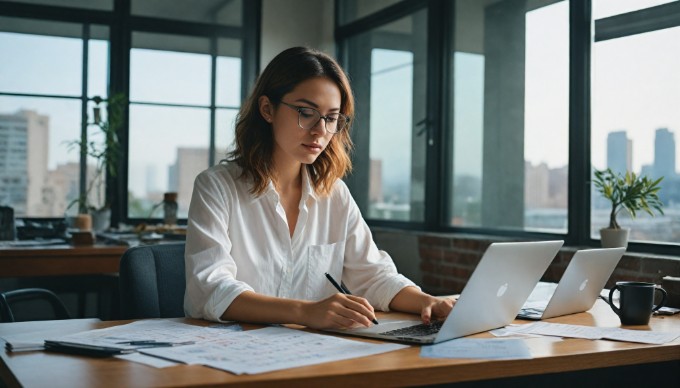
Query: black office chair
[34,301]
[152,282]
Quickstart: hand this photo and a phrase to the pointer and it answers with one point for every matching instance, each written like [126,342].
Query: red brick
[427,266]
[434,254]
[629,263]
[434,241]
[660,267]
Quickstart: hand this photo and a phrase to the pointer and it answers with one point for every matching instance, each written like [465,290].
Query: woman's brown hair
[254,142]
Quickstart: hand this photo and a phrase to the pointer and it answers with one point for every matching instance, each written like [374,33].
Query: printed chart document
[137,335]
[270,349]
[497,349]
[589,332]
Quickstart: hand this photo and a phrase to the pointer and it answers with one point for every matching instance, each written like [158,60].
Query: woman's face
[293,144]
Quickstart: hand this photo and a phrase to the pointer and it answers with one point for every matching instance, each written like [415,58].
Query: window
[388,65]
[529,98]
[635,121]
[182,72]
[510,116]
[41,109]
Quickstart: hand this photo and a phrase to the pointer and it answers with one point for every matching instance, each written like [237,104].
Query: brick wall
[446,263]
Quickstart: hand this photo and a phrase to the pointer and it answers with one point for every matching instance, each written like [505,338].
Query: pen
[343,290]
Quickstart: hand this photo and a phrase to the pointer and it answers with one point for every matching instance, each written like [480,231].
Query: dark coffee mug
[636,301]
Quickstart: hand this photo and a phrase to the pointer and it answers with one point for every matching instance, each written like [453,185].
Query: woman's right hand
[338,311]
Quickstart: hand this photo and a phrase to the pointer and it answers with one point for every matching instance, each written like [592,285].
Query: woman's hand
[338,311]
[436,308]
[412,300]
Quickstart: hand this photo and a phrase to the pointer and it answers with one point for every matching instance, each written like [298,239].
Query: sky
[635,88]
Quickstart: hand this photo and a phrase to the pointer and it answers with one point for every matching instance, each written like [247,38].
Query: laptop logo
[583,285]
[501,290]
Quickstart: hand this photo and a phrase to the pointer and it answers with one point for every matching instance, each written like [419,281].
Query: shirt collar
[307,188]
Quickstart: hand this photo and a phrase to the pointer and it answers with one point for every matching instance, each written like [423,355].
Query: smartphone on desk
[667,311]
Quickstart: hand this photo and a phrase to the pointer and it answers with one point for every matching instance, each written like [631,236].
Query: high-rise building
[664,153]
[619,152]
[23,161]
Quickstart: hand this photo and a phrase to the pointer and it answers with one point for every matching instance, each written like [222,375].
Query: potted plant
[631,192]
[104,147]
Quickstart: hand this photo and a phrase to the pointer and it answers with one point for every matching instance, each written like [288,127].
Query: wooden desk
[399,368]
[59,260]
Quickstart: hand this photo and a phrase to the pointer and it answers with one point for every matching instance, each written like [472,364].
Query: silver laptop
[579,287]
[497,289]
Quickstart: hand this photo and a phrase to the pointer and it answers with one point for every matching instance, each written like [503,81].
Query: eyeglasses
[309,117]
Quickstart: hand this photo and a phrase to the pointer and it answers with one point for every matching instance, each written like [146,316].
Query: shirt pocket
[322,259]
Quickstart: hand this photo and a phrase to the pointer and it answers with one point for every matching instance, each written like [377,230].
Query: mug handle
[611,303]
[664,294]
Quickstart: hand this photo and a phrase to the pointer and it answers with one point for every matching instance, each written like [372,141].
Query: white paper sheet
[147,360]
[35,340]
[159,330]
[270,349]
[497,349]
[589,332]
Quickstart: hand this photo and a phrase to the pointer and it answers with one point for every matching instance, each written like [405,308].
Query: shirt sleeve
[368,271]
[210,269]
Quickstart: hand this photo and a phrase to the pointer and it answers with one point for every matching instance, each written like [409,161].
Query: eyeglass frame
[325,118]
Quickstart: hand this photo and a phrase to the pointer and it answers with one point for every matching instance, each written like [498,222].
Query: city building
[664,153]
[619,152]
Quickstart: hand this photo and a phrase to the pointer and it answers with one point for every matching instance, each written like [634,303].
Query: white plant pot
[614,238]
[101,220]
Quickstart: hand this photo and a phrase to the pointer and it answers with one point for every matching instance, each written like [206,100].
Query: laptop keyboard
[420,330]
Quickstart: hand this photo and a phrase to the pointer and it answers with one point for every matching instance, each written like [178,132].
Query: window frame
[438,186]
[122,24]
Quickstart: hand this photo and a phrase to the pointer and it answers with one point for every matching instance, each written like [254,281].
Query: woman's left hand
[436,308]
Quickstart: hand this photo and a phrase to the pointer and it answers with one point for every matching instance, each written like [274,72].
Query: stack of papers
[36,340]
[270,349]
[132,337]
[227,348]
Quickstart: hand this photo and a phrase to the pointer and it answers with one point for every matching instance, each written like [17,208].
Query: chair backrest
[10,302]
[152,282]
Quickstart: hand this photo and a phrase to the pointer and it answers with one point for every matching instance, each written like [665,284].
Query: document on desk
[486,348]
[270,349]
[35,340]
[140,334]
[589,332]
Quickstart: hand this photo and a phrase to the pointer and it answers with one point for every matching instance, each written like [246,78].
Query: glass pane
[636,124]
[180,140]
[169,76]
[388,67]
[510,116]
[224,132]
[606,8]
[228,89]
[102,5]
[41,64]
[227,13]
[35,134]
[351,10]
[98,68]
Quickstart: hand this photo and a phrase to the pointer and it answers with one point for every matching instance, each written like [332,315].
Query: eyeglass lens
[308,118]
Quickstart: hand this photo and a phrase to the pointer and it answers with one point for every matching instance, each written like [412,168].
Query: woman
[269,222]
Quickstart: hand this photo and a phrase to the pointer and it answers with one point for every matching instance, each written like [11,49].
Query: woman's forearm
[410,300]
[258,308]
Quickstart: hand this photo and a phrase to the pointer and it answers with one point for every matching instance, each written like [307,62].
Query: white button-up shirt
[238,242]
